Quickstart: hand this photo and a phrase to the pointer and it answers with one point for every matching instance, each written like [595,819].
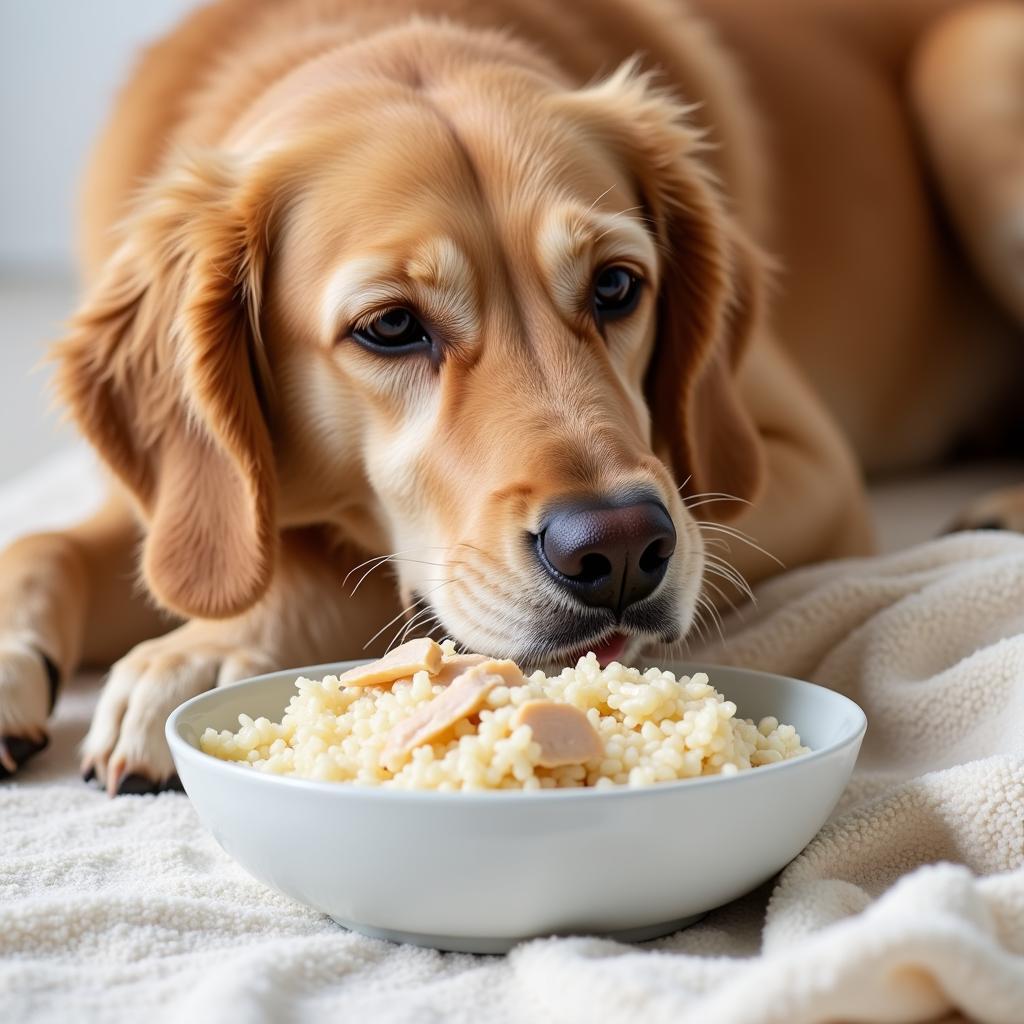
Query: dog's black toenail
[89,774]
[20,750]
[135,785]
[988,524]
[961,526]
[173,784]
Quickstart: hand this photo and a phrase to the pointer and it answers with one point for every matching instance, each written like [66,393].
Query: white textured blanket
[909,904]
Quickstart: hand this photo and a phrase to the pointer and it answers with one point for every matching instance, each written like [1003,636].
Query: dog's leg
[306,617]
[967,89]
[65,597]
[813,504]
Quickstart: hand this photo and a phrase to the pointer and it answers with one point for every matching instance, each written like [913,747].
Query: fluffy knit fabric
[908,906]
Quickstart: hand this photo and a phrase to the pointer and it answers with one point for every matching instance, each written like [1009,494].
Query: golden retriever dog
[455,316]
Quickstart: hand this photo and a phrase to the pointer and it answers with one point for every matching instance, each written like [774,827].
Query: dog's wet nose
[608,556]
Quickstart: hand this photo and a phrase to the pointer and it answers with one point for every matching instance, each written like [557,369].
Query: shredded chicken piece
[455,664]
[563,732]
[420,655]
[463,697]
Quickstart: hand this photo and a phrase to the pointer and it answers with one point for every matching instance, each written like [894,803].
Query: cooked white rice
[654,728]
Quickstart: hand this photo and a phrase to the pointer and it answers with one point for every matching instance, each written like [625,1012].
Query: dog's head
[479,319]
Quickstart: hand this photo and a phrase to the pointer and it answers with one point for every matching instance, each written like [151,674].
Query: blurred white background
[61,63]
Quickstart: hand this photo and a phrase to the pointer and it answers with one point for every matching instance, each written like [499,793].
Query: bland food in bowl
[479,870]
[426,717]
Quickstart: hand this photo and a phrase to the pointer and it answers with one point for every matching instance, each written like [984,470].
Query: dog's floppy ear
[163,371]
[699,413]
[709,294]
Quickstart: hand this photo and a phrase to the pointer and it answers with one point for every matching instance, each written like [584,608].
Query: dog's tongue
[610,650]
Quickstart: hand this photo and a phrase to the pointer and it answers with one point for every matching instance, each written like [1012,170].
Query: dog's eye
[396,330]
[616,290]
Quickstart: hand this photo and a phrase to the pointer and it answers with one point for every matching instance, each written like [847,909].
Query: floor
[32,310]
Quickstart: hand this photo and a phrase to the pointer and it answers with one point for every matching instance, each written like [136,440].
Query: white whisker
[380,558]
[724,495]
[419,621]
[730,575]
[404,611]
[713,613]
[718,542]
[599,198]
[394,560]
[724,596]
[739,535]
[611,227]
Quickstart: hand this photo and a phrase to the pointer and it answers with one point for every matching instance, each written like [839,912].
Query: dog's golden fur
[277,173]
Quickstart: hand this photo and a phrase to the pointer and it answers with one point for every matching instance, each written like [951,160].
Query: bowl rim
[181,748]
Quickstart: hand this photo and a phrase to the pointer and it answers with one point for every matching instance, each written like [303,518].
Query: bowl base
[481,944]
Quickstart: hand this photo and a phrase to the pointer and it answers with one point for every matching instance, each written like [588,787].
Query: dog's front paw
[125,749]
[25,701]
[997,510]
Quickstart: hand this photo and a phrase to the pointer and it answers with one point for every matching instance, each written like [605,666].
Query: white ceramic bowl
[479,872]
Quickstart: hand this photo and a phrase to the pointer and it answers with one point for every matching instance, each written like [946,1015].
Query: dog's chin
[564,639]
[614,646]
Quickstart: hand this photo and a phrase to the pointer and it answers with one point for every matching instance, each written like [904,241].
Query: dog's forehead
[527,148]
[472,160]
[476,199]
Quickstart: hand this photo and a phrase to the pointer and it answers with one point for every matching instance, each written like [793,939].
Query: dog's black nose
[608,556]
